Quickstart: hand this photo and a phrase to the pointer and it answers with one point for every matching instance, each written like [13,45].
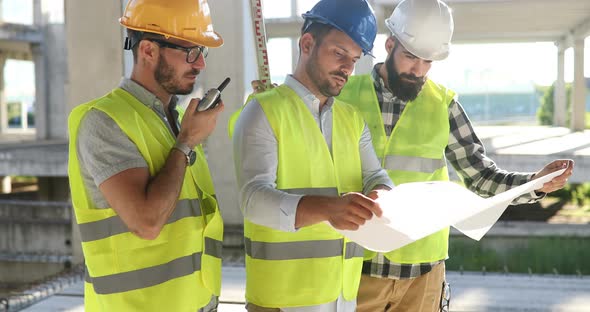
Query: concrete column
[230,60]
[41,81]
[6,186]
[294,52]
[3,108]
[94,49]
[578,117]
[559,95]
[37,12]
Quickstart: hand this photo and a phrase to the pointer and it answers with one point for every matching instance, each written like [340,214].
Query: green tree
[546,109]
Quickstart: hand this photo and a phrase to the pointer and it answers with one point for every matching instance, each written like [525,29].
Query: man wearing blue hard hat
[417,126]
[296,149]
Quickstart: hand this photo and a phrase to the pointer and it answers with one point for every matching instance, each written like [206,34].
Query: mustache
[340,74]
[412,77]
[194,72]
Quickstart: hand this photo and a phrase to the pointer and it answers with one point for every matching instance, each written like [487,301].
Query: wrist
[187,151]
[186,141]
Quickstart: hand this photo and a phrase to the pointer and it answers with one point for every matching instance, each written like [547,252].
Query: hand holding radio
[212,97]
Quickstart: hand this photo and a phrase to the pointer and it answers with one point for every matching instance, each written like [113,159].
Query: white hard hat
[423,27]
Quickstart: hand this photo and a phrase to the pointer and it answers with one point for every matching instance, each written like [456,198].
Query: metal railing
[38,292]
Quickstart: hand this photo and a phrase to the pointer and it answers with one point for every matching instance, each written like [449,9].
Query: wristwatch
[190,154]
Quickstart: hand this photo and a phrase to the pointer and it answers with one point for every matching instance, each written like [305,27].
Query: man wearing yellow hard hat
[141,189]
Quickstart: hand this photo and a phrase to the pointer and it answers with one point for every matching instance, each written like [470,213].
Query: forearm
[467,155]
[311,210]
[161,193]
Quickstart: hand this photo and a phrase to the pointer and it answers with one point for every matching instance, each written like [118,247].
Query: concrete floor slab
[470,292]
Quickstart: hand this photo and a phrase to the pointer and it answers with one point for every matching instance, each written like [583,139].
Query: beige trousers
[421,294]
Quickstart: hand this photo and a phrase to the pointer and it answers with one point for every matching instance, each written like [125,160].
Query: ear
[306,43]
[389,44]
[148,52]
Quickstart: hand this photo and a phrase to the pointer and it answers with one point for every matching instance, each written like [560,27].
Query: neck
[150,84]
[301,76]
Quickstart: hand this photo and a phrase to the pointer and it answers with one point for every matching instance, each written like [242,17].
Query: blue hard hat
[353,17]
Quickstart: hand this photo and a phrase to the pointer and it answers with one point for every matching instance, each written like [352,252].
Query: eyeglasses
[445,297]
[192,53]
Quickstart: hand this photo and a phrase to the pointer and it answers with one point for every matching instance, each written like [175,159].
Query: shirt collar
[308,98]
[146,97]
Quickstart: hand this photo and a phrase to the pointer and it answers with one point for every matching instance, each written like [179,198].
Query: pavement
[470,291]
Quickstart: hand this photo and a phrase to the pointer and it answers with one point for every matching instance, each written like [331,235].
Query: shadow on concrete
[532,212]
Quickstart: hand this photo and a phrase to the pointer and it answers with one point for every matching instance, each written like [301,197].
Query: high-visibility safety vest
[316,264]
[414,152]
[180,270]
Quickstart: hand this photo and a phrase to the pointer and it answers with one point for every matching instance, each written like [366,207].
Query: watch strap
[183,148]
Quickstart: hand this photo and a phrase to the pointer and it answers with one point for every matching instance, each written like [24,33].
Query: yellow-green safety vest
[415,150]
[316,264]
[180,270]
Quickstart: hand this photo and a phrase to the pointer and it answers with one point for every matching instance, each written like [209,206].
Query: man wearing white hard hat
[417,126]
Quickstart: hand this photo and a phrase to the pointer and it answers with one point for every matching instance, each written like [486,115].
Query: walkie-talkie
[212,97]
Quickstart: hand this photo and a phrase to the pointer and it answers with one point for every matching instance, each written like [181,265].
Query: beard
[323,84]
[403,90]
[165,75]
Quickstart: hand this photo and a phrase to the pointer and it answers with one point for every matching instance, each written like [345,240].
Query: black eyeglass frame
[196,49]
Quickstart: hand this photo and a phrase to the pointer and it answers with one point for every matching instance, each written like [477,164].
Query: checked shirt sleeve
[466,153]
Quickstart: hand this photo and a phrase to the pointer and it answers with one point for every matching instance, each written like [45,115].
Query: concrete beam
[20,33]
[38,158]
[582,30]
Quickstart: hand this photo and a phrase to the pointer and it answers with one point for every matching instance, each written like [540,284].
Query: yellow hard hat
[188,20]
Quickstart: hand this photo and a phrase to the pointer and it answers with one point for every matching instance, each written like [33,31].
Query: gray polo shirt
[104,150]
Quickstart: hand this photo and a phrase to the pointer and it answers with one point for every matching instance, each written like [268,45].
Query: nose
[347,67]
[200,63]
[421,68]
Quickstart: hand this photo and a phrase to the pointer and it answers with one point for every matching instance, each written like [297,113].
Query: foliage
[565,255]
[578,194]
[546,109]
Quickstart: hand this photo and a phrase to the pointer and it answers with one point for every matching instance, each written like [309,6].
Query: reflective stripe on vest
[301,249]
[147,277]
[413,152]
[155,275]
[325,191]
[104,228]
[412,163]
[315,264]
[126,272]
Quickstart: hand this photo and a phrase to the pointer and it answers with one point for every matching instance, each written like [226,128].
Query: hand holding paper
[412,211]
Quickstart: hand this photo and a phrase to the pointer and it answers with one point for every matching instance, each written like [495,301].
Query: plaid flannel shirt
[464,152]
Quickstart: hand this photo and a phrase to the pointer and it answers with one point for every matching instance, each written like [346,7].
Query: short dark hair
[135,36]
[317,30]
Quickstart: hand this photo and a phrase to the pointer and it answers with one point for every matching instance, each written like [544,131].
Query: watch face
[192,156]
